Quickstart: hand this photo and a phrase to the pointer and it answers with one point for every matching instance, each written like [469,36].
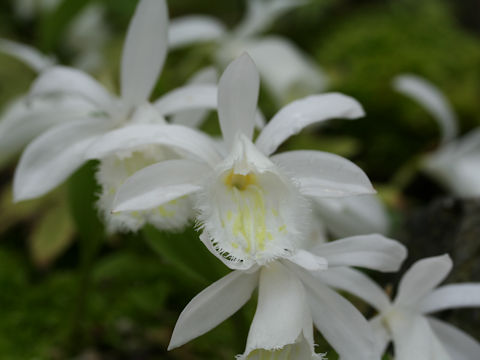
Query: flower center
[239,181]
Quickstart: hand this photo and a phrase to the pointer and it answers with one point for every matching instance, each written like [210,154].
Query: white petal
[321,174]
[62,80]
[456,165]
[291,119]
[144,51]
[414,339]
[191,29]
[158,184]
[281,309]
[189,97]
[27,54]
[428,95]
[213,305]
[237,98]
[285,70]
[261,14]
[382,337]
[342,325]
[54,156]
[178,137]
[458,344]
[370,251]
[452,296]
[422,278]
[357,283]
[194,118]
[23,120]
[355,215]
[309,261]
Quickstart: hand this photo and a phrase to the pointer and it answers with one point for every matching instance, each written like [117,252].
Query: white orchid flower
[456,163]
[253,207]
[407,322]
[291,298]
[286,71]
[57,153]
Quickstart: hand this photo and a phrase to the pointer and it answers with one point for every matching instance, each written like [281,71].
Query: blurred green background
[68,291]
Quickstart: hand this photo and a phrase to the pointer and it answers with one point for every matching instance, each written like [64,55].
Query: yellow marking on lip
[239,181]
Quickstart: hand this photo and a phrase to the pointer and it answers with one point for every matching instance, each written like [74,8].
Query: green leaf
[51,235]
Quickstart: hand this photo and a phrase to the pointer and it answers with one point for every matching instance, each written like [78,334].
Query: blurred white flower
[253,207]
[58,152]
[286,71]
[292,297]
[456,163]
[407,321]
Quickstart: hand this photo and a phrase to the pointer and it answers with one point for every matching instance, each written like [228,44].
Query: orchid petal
[382,337]
[213,305]
[309,261]
[372,251]
[158,184]
[452,296]
[279,292]
[285,70]
[432,99]
[26,54]
[178,137]
[189,97]
[458,344]
[53,156]
[342,325]
[321,174]
[237,98]
[194,118]
[413,338]
[355,215]
[357,283]
[144,51]
[422,278]
[261,14]
[62,80]
[192,29]
[291,119]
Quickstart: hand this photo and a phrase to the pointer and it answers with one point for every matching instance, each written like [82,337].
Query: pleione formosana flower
[292,297]
[407,321]
[252,207]
[58,152]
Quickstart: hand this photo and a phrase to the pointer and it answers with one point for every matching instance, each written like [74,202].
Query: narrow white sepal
[213,305]
[144,51]
[237,98]
[294,117]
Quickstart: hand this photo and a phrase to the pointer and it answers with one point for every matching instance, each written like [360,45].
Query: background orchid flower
[292,296]
[252,207]
[407,322]
[456,163]
[286,71]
